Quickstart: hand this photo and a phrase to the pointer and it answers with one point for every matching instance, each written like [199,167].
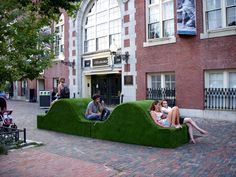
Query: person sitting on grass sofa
[96,110]
[165,109]
[171,120]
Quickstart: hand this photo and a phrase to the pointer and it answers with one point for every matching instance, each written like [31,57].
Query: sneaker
[178,126]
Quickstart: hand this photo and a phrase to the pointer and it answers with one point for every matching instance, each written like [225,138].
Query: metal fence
[9,136]
[160,94]
[220,98]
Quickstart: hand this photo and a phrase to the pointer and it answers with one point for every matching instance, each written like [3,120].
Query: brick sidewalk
[72,156]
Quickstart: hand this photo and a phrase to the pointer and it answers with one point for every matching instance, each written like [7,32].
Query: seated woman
[165,109]
[171,120]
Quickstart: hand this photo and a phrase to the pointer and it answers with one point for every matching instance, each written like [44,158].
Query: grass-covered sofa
[129,123]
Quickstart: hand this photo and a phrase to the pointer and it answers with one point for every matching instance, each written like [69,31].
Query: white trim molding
[210,114]
[160,41]
[228,31]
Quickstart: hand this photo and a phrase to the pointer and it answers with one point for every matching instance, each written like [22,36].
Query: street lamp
[114,49]
[67,63]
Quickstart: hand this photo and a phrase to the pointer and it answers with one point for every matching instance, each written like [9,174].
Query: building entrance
[108,86]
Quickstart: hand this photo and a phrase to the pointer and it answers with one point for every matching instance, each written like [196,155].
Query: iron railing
[9,136]
[160,94]
[220,98]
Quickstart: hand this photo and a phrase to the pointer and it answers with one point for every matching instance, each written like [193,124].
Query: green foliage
[129,123]
[25,42]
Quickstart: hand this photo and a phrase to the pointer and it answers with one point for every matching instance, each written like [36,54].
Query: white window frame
[225,77]
[60,37]
[162,40]
[149,79]
[223,31]
[96,11]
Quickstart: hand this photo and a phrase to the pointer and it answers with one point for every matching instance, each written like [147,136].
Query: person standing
[60,87]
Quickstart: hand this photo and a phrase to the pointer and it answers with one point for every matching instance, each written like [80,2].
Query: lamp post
[113,49]
[67,63]
[115,54]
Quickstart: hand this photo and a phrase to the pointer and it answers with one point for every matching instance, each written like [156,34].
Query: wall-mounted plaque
[100,62]
[117,59]
[186,17]
[87,63]
[128,80]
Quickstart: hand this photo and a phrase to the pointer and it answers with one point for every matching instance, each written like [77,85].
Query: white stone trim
[228,31]
[209,114]
[160,41]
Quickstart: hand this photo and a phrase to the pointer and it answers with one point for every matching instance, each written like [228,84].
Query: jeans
[93,116]
[105,113]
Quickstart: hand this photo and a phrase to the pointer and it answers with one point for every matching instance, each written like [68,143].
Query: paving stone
[68,155]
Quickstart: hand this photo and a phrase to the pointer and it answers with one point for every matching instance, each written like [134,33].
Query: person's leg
[189,120]
[93,116]
[171,117]
[190,131]
[105,113]
[174,117]
[177,115]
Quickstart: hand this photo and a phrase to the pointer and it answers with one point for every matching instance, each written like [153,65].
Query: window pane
[90,20]
[102,17]
[153,31]
[153,1]
[114,13]
[170,81]
[90,33]
[154,14]
[230,2]
[173,77]
[102,43]
[168,10]
[102,5]
[116,38]
[92,9]
[231,16]
[213,4]
[156,81]
[113,3]
[232,80]
[91,47]
[102,30]
[115,26]
[216,80]
[168,28]
[214,19]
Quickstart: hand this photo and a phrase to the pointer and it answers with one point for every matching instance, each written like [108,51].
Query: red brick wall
[188,58]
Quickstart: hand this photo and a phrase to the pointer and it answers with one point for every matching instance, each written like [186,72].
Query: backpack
[65,92]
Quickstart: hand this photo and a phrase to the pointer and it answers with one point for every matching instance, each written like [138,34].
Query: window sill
[228,31]
[160,41]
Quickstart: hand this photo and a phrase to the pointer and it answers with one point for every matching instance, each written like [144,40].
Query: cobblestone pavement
[65,155]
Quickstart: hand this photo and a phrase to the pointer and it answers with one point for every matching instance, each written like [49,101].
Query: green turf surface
[129,123]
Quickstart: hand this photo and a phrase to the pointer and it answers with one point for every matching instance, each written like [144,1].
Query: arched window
[102,25]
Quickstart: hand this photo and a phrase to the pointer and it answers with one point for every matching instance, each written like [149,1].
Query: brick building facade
[182,50]
[191,60]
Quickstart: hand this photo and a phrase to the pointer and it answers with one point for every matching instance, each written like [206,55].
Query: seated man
[96,110]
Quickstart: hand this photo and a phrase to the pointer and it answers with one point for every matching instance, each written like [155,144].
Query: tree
[25,36]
